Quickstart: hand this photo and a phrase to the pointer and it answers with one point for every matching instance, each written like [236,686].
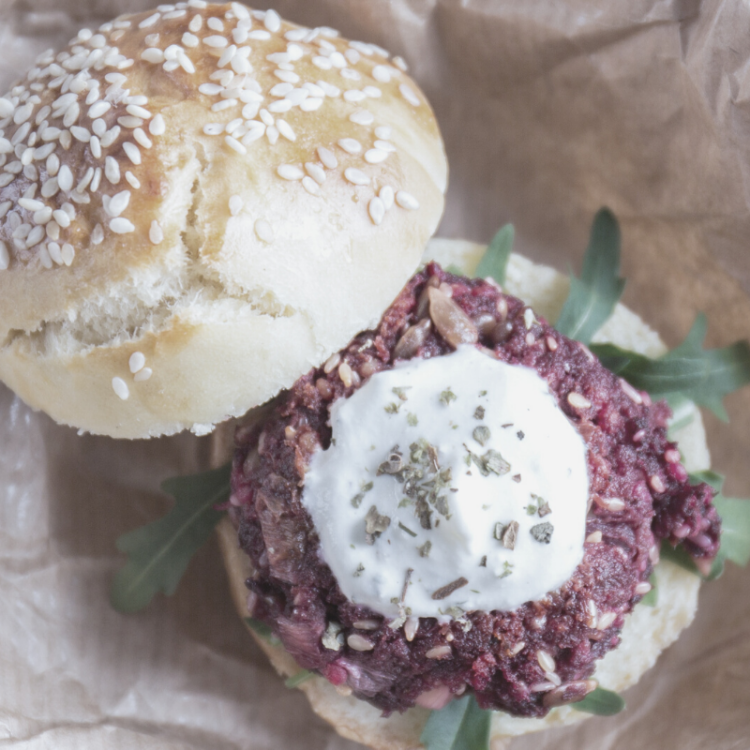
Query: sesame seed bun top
[198,204]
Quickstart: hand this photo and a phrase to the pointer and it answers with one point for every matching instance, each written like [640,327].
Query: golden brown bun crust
[648,630]
[231,263]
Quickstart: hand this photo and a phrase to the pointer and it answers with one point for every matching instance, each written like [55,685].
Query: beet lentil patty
[525,661]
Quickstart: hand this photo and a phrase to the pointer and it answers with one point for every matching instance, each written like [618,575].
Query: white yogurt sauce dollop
[436,413]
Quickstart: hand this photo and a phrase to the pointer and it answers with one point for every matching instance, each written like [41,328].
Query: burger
[204,205]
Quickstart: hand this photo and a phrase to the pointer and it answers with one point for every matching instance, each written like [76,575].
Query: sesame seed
[80,134]
[289,172]
[264,230]
[360,643]
[352,56]
[375,156]
[30,205]
[297,96]
[213,128]
[285,129]
[215,23]
[150,21]
[399,62]
[6,147]
[350,74]
[155,233]
[6,109]
[44,258]
[272,21]
[287,76]
[546,662]
[120,387]
[227,56]
[631,392]
[117,203]
[132,152]
[157,126]
[315,172]
[376,210]
[225,104]
[53,230]
[614,504]
[4,208]
[281,89]
[407,200]
[577,401]
[311,104]
[409,95]
[121,226]
[438,652]
[272,134]
[327,157]
[280,106]
[354,95]
[642,588]
[235,144]
[140,136]
[190,40]
[97,236]
[356,176]
[310,185]
[215,41]
[43,215]
[65,178]
[329,89]
[605,620]
[175,14]
[96,147]
[23,113]
[55,253]
[254,133]
[322,62]
[136,111]
[128,121]
[98,109]
[136,362]
[594,538]
[235,205]
[85,180]
[153,55]
[656,483]
[196,23]
[133,180]
[350,145]
[362,117]
[36,235]
[385,146]
[61,218]
[143,375]
[381,73]
[67,253]
[112,170]
[260,35]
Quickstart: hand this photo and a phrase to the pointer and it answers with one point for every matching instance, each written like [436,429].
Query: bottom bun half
[647,631]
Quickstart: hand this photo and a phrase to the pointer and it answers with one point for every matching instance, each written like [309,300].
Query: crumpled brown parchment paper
[549,110]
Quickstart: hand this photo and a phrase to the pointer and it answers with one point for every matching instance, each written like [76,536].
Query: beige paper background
[549,110]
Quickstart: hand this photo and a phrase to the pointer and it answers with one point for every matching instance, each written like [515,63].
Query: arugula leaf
[297,679]
[600,702]
[159,552]
[495,259]
[461,725]
[593,297]
[704,376]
